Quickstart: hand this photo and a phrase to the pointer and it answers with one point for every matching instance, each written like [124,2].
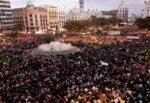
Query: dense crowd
[92,39]
[76,78]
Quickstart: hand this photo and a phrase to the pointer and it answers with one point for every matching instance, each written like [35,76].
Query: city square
[82,56]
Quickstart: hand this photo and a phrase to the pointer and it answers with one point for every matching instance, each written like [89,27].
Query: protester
[76,78]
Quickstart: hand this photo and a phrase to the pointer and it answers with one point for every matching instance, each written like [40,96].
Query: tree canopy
[75,25]
[105,21]
[94,21]
[18,27]
[143,23]
[47,39]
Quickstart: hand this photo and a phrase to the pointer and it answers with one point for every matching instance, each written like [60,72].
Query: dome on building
[30,3]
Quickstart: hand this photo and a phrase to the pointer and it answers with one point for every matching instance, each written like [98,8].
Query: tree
[18,27]
[15,31]
[113,21]
[93,22]
[75,25]
[105,21]
[143,23]
[47,39]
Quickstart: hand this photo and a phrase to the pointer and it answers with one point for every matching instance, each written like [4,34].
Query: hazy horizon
[69,4]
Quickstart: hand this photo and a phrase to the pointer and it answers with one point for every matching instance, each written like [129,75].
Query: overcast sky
[135,6]
[68,4]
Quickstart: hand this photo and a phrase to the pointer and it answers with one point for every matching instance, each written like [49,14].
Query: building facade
[77,14]
[53,17]
[147,9]
[82,14]
[122,12]
[5,15]
[33,19]
[36,19]
[62,19]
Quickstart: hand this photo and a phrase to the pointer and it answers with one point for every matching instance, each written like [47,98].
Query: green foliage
[84,24]
[100,21]
[104,21]
[143,23]
[75,25]
[47,39]
[18,27]
[113,21]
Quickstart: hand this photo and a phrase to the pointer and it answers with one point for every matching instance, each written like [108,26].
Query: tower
[123,11]
[81,4]
[30,3]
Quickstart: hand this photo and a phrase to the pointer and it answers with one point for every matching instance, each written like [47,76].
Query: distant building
[122,12]
[77,14]
[53,17]
[147,8]
[33,19]
[36,19]
[5,15]
[62,19]
[82,14]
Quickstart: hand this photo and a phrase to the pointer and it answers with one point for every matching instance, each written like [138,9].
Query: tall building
[81,2]
[82,14]
[62,19]
[122,13]
[147,8]
[33,19]
[53,17]
[76,14]
[5,15]
[36,19]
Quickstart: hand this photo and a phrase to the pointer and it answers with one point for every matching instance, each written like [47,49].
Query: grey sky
[68,4]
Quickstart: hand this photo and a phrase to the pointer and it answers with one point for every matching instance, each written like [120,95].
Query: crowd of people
[76,78]
[92,39]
